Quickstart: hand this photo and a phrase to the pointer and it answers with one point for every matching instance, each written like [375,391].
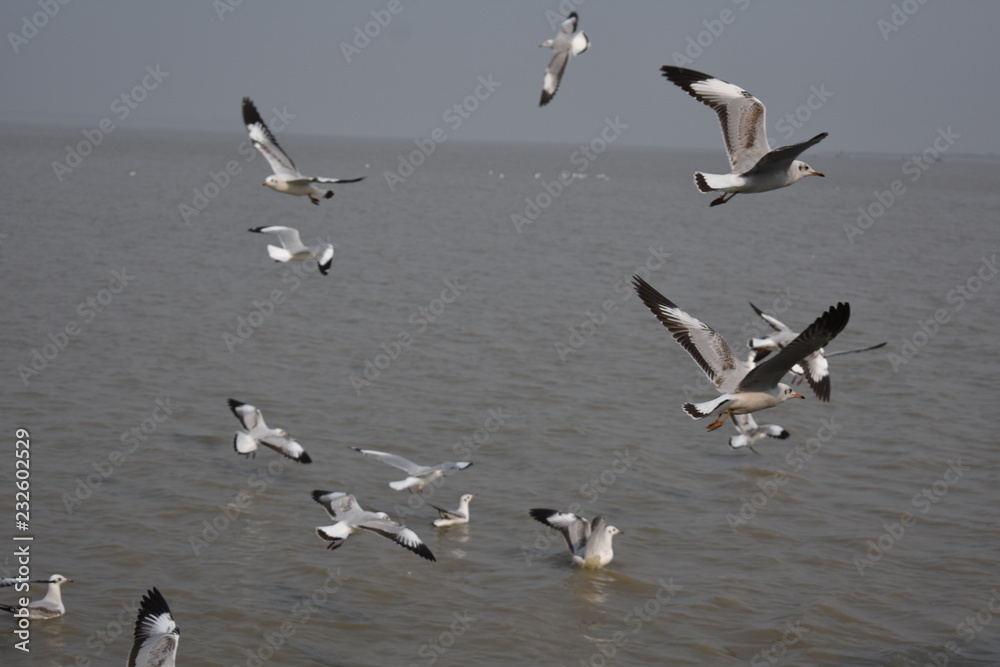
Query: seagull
[6,582]
[156,635]
[50,606]
[257,433]
[755,167]
[814,368]
[293,248]
[286,178]
[749,432]
[349,516]
[454,517]
[743,390]
[419,476]
[564,45]
[589,541]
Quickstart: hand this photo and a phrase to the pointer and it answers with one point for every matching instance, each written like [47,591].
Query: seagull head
[612,531]
[59,579]
[800,170]
[271,182]
[785,392]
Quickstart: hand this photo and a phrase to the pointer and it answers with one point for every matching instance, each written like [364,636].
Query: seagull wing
[740,113]
[709,350]
[575,529]
[775,323]
[156,634]
[399,534]
[287,236]
[338,505]
[448,514]
[286,447]
[781,158]
[817,372]
[860,349]
[767,375]
[265,142]
[553,75]
[248,415]
[406,465]
[336,180]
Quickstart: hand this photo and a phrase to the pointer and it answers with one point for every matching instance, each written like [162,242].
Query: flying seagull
[286,177]
[454,517]
[564,45]
[292,247]
[589,541]
[156,635]
[344,508]
[748,432]
[50,606]
[814,368]
[755,167]
[743,390]
[419,476]
[258,433]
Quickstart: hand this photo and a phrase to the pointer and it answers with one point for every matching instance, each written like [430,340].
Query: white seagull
[349,516]
[292,247]
[748,432]
[565,44]
[814,368]
[50,606]
[589,542]
[755,167]
[258,433]
[743,390]
[454,517]
[286,177]
[156,635]
[419,476]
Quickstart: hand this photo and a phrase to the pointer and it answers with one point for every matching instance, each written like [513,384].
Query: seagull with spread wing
[286,177]
[419,476]
[589,542]
[258,433]
[344,508]
[565,44]
[292,247]
[156,635]
[743,390]
[755,167]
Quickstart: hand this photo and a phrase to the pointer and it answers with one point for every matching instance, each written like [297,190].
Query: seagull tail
[278,254]
[710,182]
[699,410]
[404,484]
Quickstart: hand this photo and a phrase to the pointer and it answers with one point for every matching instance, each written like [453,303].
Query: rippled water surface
[524,352]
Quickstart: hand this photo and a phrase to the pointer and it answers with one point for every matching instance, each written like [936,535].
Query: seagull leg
[723,199]
[316,201]
[720,420]
[753,450]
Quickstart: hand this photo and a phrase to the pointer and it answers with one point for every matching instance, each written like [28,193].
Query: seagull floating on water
[756,168]
[589,542]
[156,635]
[565,44]
[258,433]
[419,476]
[292,247]
[286,177]
[814,368]
[50,606]
[349,516]
[454,517]
[743,390]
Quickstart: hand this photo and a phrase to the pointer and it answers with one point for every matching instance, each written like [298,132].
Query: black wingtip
[329,193]
[305,458]
[424,551]
[542,514]
[257,229]
[250,114]
[317,494]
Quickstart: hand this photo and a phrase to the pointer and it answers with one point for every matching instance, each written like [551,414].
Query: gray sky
[885,89]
